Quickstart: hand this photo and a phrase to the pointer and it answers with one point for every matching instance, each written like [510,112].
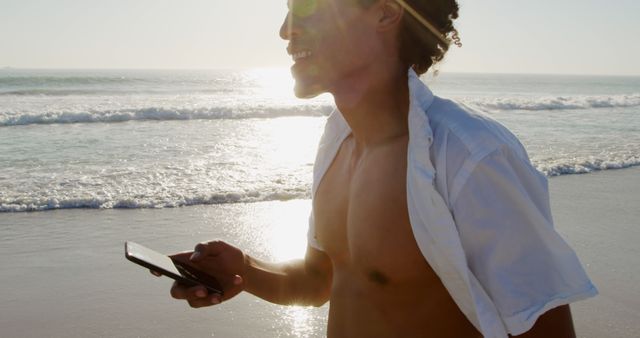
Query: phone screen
[154,258]
[156,261]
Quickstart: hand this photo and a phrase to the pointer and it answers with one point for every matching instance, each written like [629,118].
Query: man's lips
[298,53]
[301,55]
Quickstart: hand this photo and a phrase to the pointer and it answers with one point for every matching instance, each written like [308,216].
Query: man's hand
[223,261]
[301,282]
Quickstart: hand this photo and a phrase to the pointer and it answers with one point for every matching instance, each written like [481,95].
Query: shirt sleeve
[503,216]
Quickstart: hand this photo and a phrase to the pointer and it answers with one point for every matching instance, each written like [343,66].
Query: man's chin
[307,91]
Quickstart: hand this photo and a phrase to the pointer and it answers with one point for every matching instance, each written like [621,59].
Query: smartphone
[163,264]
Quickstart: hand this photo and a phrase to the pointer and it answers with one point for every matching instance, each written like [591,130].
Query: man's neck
[375,105]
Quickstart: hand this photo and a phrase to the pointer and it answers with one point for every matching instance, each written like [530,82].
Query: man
[428,220]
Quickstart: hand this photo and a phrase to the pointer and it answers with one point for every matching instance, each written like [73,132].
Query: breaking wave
[148,202]
[558,102]
[161,114]
[586,166]
[99,201]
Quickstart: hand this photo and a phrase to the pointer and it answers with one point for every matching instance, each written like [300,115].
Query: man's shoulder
[478,133]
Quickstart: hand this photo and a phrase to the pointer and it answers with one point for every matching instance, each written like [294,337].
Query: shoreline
[29,210]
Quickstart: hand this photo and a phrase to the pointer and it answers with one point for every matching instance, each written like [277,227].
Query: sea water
[157,139]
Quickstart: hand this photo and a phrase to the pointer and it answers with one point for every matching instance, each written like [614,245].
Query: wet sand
[63,273]
[599,215]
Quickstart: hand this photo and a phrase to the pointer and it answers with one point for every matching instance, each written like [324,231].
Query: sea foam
[250,154]
[77,114]
[143,202]
[51,200]
[162,114]
[584,166]
[557,102]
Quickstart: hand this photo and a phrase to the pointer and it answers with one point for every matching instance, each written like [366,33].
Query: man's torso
[382,285]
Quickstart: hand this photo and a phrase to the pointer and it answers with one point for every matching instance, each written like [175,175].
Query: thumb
[238,280]
[203,250]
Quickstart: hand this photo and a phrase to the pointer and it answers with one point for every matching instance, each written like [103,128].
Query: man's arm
[554,323]
[302,282]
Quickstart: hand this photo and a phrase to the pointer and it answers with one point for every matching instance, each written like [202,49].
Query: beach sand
[599,215]
[63,273]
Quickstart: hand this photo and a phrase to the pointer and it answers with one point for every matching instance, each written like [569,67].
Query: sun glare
[287,235]
[301,321]
[273,82]
[293,141]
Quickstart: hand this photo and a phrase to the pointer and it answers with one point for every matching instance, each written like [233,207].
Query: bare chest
[382,285]
[361,214]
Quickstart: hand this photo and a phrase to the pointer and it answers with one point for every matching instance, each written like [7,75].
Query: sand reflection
[277,231]
[301,321]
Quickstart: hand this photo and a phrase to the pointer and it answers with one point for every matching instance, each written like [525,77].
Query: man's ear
[391,13]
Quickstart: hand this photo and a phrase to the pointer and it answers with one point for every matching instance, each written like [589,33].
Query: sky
[499,36]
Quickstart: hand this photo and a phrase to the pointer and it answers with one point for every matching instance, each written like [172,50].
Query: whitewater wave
[585,166]
[117,91]
[163,114]
[66,201]
[150,202]
[55,92]
[557,102]
[29,81]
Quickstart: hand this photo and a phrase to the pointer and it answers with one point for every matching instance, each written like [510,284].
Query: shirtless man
[365,260]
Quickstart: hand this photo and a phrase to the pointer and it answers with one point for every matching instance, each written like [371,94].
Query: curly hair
[426,31]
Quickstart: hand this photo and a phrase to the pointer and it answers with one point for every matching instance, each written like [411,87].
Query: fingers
[180,291]
[237,280]
[198,303]
[207,249]
[196,296]
[182,257]
[155,273]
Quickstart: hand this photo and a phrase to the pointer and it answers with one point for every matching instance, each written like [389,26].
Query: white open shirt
[480,214]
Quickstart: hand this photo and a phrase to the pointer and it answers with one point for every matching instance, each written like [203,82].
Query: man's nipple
[378,277]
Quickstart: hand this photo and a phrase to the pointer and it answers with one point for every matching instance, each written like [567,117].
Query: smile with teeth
[301,55]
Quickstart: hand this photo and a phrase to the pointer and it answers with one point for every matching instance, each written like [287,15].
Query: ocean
[90,159]
[159,139]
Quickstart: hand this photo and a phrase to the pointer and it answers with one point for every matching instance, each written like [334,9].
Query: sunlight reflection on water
[276,82]
[301,321]
[276,232]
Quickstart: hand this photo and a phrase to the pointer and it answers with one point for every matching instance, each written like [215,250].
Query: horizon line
[430,73]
